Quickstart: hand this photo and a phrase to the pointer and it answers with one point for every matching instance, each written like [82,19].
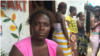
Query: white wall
[79,4]
[7,40]
[91,15]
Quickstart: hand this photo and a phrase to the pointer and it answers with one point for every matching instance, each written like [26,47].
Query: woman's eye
[46,24]
[37,23]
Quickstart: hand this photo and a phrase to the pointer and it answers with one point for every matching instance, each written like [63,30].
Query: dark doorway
[48,5]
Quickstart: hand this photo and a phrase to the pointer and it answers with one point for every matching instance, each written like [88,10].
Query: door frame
[53,7]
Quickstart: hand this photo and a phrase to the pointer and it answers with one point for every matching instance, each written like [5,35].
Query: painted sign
[16,5]
[14,15]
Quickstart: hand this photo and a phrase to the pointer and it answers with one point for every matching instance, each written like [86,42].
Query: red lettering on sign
[24,6]
[2,3]
[11,4]
[18,5]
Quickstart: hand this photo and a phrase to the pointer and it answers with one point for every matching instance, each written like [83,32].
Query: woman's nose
[41,26]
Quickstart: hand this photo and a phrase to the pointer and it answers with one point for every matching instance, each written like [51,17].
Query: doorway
[49,5]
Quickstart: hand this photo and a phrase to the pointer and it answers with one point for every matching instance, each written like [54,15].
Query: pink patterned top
[25,47]
[97,30]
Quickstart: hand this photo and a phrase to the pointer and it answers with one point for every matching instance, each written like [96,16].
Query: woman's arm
[67,22]
[93,26]
[59,51]
[15,52]
[64,27]
[80,26]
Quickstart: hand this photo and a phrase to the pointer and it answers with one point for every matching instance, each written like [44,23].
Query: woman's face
[74,12]
[64,10]
[97,13]
[40,26]
[82,16]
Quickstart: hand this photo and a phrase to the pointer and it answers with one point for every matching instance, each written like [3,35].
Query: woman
[81,37]
[72,25]
[60,35]
[37,45]
[95,28]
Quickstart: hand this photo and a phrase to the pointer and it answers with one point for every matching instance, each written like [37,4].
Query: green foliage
[3,53]
[20,27]
[14,35]
[6,20]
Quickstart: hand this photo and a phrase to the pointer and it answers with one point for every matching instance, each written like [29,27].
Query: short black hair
[62,5]
[72,8]
[79,14]
[95,8]
[42,11]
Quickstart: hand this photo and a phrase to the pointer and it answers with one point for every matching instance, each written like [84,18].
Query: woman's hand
[68,43]
[83,18]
